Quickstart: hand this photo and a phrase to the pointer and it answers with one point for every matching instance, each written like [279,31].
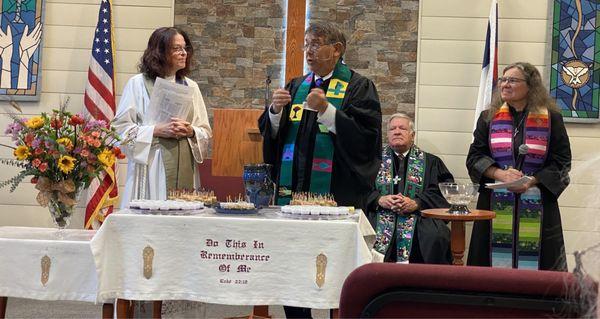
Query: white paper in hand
[169,99]
[519,182]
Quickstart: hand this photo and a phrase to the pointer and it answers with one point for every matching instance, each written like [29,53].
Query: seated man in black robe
[322,132]
[407,183]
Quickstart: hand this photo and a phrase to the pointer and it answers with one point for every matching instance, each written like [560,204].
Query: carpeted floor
[27,308]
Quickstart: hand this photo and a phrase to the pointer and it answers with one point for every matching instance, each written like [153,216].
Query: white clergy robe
[145,170]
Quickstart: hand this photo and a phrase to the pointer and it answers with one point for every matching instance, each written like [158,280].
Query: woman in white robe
[156,153]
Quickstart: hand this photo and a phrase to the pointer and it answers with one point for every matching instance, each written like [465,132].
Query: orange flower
[118,153]
[76,120]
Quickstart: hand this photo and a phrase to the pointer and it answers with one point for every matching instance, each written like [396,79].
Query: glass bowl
[459,195]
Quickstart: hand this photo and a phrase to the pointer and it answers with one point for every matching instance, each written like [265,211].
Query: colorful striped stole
[516,230]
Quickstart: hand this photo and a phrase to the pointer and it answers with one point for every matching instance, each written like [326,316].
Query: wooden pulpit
[237,141]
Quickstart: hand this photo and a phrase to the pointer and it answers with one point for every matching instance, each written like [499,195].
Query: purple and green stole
[389,222]
[516,230]
[322,164]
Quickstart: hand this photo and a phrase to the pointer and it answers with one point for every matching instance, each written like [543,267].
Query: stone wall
[382,44]
[237,44]
[240,42]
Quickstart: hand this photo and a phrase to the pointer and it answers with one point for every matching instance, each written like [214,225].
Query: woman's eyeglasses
[180,50]
[509,80]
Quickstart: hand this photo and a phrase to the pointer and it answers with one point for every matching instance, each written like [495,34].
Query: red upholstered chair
[440,291]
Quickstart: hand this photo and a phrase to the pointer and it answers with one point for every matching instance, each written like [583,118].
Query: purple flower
[13,128]
[48,143]
[36,143]
[94,124]
[77,150]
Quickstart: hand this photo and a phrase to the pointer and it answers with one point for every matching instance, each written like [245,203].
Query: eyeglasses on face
[509,80]
[314,47]
[180,50]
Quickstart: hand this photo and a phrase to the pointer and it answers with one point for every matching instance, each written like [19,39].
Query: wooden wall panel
[66,59]
[470,51]
[294,56]
[450,28]
[236,141]
[530,9]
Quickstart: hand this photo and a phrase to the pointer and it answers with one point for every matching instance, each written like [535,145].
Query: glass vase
[60,212]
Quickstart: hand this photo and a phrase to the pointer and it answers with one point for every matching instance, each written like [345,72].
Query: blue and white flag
[489,71]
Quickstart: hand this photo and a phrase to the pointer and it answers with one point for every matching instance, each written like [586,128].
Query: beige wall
[67,39]
[451,41]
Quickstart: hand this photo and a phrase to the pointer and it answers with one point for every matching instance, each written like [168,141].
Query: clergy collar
[403,154]
[325,78]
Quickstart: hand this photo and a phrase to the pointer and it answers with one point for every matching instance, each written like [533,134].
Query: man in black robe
[354,128]
[392,202]
[341,110]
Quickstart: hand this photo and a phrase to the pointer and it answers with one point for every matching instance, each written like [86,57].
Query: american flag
[100,104]
[489,71]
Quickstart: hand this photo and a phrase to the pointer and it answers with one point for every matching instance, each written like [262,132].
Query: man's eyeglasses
[313,47]
[509,80]
[180,50]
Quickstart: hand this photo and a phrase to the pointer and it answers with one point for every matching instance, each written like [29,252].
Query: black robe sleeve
[479,156]
[357,143]
[432,235]
[431,197]
[554,176]
[358,127]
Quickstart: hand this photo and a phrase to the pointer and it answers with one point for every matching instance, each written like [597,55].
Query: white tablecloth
[236,260]
[71,275]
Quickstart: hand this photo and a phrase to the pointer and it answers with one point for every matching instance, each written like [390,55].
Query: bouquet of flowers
[63,152]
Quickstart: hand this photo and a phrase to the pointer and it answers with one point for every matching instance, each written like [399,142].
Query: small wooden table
[457,227]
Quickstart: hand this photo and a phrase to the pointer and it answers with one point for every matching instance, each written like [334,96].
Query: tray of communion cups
[165,207]
[236,206]
[179,202]
[315,206]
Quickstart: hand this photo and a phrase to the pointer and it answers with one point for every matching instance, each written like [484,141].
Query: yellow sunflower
[65,141]
[107,158]
[22,152]
[66,163]
[35,122]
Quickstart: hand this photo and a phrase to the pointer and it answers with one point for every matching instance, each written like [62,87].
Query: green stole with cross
[389,222]
[322,163]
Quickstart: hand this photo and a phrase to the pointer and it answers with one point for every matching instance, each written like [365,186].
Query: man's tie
[319,82]
[399,172]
